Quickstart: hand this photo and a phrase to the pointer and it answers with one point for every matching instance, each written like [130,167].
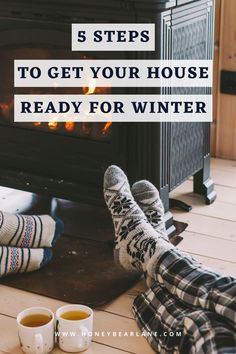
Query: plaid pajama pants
[188,309]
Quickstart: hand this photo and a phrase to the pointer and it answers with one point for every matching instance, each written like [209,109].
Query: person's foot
[148,198]
[19,260]
[29,231]
[135,239]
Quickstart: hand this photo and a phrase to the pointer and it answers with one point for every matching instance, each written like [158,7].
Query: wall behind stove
[224,125]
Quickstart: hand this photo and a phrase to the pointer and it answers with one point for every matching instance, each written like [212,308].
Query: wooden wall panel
[226,104]
[215,75]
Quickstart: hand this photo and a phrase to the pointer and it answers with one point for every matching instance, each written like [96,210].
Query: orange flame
[91,89]
[106,128]
[69,126]
[5,108]
[53,124]
[86,128]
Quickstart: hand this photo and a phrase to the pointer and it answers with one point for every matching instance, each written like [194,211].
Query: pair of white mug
[72,335]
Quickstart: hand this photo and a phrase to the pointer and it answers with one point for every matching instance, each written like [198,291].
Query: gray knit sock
[136,242]
[148,198]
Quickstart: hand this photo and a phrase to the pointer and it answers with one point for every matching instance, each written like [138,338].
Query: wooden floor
[210,237]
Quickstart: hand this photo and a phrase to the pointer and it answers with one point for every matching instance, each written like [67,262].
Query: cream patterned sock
[29,231]
[19,260]
[136,241]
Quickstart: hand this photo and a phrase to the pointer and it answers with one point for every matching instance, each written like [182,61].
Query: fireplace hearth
[67,160]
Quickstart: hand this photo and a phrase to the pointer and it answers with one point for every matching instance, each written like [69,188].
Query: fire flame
[106,128]
[53,124]
[91,89]
[4,108]
[69,126]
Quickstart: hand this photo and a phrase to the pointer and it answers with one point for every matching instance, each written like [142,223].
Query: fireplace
[67,160]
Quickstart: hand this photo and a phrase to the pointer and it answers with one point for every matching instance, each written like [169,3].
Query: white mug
[36,340]
[74,335]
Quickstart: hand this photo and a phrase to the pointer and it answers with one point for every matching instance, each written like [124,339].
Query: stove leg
[176,203]
[169,221]
[203,184]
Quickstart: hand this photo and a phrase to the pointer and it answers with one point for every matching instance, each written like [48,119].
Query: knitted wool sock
[136,242]
[29,231]
[18,260]
[148,198]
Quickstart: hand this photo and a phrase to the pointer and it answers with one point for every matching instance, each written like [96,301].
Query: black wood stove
[68,160]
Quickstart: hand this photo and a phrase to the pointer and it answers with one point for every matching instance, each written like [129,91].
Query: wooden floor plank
[202,224]
[220,210]
[221,164]
[123,304]
[136,344]
[225,194]
[208,246]
[224,178]
[223,267]
[13,301]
